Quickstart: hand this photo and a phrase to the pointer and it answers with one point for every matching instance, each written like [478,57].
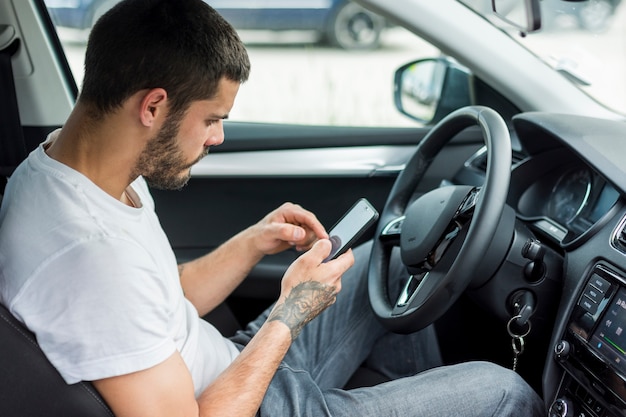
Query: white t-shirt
[96,280]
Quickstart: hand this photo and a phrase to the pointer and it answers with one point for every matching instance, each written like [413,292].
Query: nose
[216,134]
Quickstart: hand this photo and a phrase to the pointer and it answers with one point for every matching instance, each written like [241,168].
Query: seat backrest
[31,386]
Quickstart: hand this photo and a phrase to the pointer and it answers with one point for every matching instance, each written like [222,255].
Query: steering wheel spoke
[411,286]
[390,234]
[466,210]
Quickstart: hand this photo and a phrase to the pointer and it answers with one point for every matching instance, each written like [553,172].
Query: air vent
[618,239]
[517,157]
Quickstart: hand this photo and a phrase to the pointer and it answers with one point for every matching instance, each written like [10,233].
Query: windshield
[585,41]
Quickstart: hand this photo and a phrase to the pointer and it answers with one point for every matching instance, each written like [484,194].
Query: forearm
[240,389]
[208,280]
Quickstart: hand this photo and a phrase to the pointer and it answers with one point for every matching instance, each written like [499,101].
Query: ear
[153,106]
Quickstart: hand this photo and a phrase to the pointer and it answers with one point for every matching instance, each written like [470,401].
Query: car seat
[29,384]
[31,387]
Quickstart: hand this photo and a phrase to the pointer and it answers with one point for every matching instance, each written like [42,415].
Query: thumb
[321,249]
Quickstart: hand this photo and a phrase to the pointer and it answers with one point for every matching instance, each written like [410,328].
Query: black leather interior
[12,145]
[31,387]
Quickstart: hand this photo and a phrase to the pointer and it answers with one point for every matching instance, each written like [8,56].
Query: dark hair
[183,46]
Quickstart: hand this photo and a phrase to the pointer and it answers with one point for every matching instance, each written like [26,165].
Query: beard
[162,162]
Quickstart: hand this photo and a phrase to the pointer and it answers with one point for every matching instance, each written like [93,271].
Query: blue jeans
[332,346]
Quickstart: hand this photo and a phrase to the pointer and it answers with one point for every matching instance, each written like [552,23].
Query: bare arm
[208,280]
[166,390]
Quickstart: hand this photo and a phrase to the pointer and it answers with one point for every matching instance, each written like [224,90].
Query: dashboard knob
[562,350]
[536,268]
[561,407]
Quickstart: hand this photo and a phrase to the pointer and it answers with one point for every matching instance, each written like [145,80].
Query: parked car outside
[340,23]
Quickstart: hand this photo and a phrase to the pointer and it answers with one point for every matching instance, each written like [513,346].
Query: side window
[318,62]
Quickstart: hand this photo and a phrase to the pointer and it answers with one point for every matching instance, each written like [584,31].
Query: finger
[305,218]
[306,243]
[290,233]
[298,236]
[296,233]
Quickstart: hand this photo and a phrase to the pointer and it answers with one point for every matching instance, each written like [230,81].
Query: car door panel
[261,166]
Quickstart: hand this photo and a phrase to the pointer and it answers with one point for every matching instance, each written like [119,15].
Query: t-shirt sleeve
[100,309]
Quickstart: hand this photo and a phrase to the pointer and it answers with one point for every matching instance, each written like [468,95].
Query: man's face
[184,139]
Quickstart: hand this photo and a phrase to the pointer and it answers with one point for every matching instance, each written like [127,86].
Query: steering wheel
[442,235]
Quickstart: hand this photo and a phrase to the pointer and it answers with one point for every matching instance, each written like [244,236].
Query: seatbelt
[12,144]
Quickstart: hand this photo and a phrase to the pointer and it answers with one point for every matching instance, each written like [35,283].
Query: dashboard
[569,189]
[568,192]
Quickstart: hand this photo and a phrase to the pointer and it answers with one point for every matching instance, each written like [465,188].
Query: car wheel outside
[354,27]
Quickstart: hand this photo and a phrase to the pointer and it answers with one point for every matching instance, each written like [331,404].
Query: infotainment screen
[609,339]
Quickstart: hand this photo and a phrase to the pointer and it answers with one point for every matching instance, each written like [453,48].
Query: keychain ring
[514,335]
[517,343]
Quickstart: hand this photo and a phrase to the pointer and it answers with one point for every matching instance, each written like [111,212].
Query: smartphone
[350,227]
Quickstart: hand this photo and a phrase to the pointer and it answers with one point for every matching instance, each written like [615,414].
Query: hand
[287,226]
[310,286]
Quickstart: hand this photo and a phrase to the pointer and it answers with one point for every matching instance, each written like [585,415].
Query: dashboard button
[598,409]
[593,293]
[600,283]
[588,305]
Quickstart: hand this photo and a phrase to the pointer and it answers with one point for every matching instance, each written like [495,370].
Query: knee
[515,394]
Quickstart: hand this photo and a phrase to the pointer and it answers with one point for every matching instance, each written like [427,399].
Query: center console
[593,350]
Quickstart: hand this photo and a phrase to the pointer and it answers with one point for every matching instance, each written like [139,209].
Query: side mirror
[428,89]
[522,14]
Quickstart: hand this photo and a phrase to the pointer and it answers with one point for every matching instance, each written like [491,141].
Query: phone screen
[350,227]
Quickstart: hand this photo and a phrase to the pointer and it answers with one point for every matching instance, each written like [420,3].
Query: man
[96,280]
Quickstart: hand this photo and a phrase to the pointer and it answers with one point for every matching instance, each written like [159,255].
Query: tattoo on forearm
[305,302]
[181,267]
